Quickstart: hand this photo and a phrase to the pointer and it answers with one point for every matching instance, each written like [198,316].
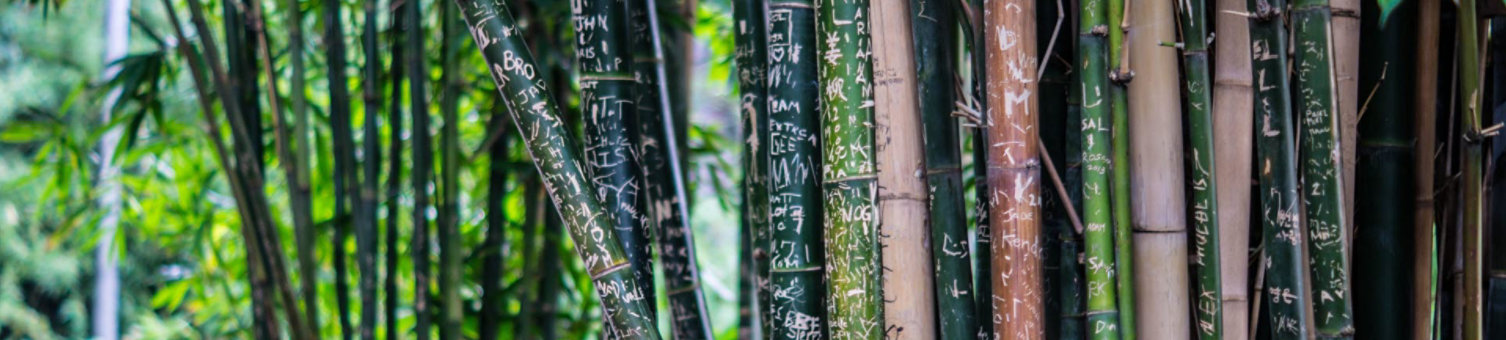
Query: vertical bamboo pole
[973,27]
[1348,93]
[903,211]
[1472,177]
[797,285]
[1158,203]
[1208,305]
[1233,126]
[423,163]
[371,164]
[1014,174]
[752,72]
[1120,75]
[451,85]
[395,165]
[1424,115]
[1102,312]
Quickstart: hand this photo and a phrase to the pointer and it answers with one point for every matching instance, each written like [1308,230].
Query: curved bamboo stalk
[1424,115]
[854,294]
[934,34]
[903,213]
[1204,178]
[1321,164]
[1284,260]
[1233,127]
[796,251]
[1013,169]
[752,74]
[1156,169]
[1102,314]
[548,141]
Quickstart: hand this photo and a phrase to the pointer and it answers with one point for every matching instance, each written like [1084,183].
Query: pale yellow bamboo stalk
[1346,55]
[909,310]
[1233,119]
[1158,200]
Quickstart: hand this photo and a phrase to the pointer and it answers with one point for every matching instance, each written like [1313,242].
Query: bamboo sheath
[1013,165]
[797,286]
[903,210]
[548,141]
[1233,126]
[1159,210]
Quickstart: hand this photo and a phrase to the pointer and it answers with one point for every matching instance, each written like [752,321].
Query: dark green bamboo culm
[1284,287]
[971,14]
[798,310]
[534,112]
[302,188]
[847,177]
[1382,242]
[371,161]
[344,169]
[666,200]
[1069,284]
[934,32]
[1208,290]
[451,248]
[1102,313]
[423,164]
[1472,174]
[752,72]
[1324,220]
[1119,77]
[395,163]
[493,297]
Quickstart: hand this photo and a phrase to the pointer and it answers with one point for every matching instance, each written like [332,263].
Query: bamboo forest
[752,169]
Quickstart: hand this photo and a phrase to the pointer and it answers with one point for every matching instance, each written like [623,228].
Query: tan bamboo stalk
[909,285]
[1346,66]
[1158,203]
[1424,118]
[1233,119]
[1014,173]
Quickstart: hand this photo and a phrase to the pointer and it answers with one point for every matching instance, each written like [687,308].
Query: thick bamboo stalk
[423,164]
[752,73]
[903,212]
[1348,92]
[1284,260]
[451,248]
[1321,162]
[1472,178]
[1233,127]
[797,286]
[854,294]
[1120,75]
[1208,305]
[1102,312]
[933,26]
[1158,205]
[1381,238]
[553,152]
[1013,165]
[1424,115]
[371,161]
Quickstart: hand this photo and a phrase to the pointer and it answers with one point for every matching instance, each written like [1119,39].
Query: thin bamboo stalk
[423,164]
[1102,313]
[1348,92]
[854,293]
[903,212]
[301,193]
[1284,257]
[1208,310]
[1233,127]
[553,152]
[1472,177]
[1070,280]
[752,74]
[493,297]
[366,226]
[344,168]
[798,288]
[933,27]
[1156,170]
[395,164]
[1120,76]
[1009,30]
[1424,110]
[972,13]
[451,248]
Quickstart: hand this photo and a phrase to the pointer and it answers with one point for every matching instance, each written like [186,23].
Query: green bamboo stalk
[493,298]
[1102,314]
[395,164]
[1014,173]
[752,73]
[340,122]
[366,227]
[1119,76]
[1284,260]
[1472,178]
[934,36]
[797,286]
[1321,164]
[553,151]
[451,249]
[1381,245]
[303,218]
[972,14]
[855,306]
[423,165]
[1208,304]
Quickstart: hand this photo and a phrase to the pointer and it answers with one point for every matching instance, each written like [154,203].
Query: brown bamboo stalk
[1233,119]
[908,279]
[1346,54]
[1158,202]
[1013,166]
[1424,120]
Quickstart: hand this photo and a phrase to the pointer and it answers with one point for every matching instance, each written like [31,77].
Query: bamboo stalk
[752,74]
[549,143]
[908,277]
[796,249]
[1424,117]
[366,227]
[1120,76]
[972,13]
[300,195]
[1284,259]
[1385,153]
[344,168]
[1208,310]
[1013,169]
[1102,314]
[1472,177]
[493,297]
[450,246]
[423,164]
[854,293]
[1348,93]
[1233,126]
[1158,204]
[934,35]
[1321,162]
[395,164]
[1070,280]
